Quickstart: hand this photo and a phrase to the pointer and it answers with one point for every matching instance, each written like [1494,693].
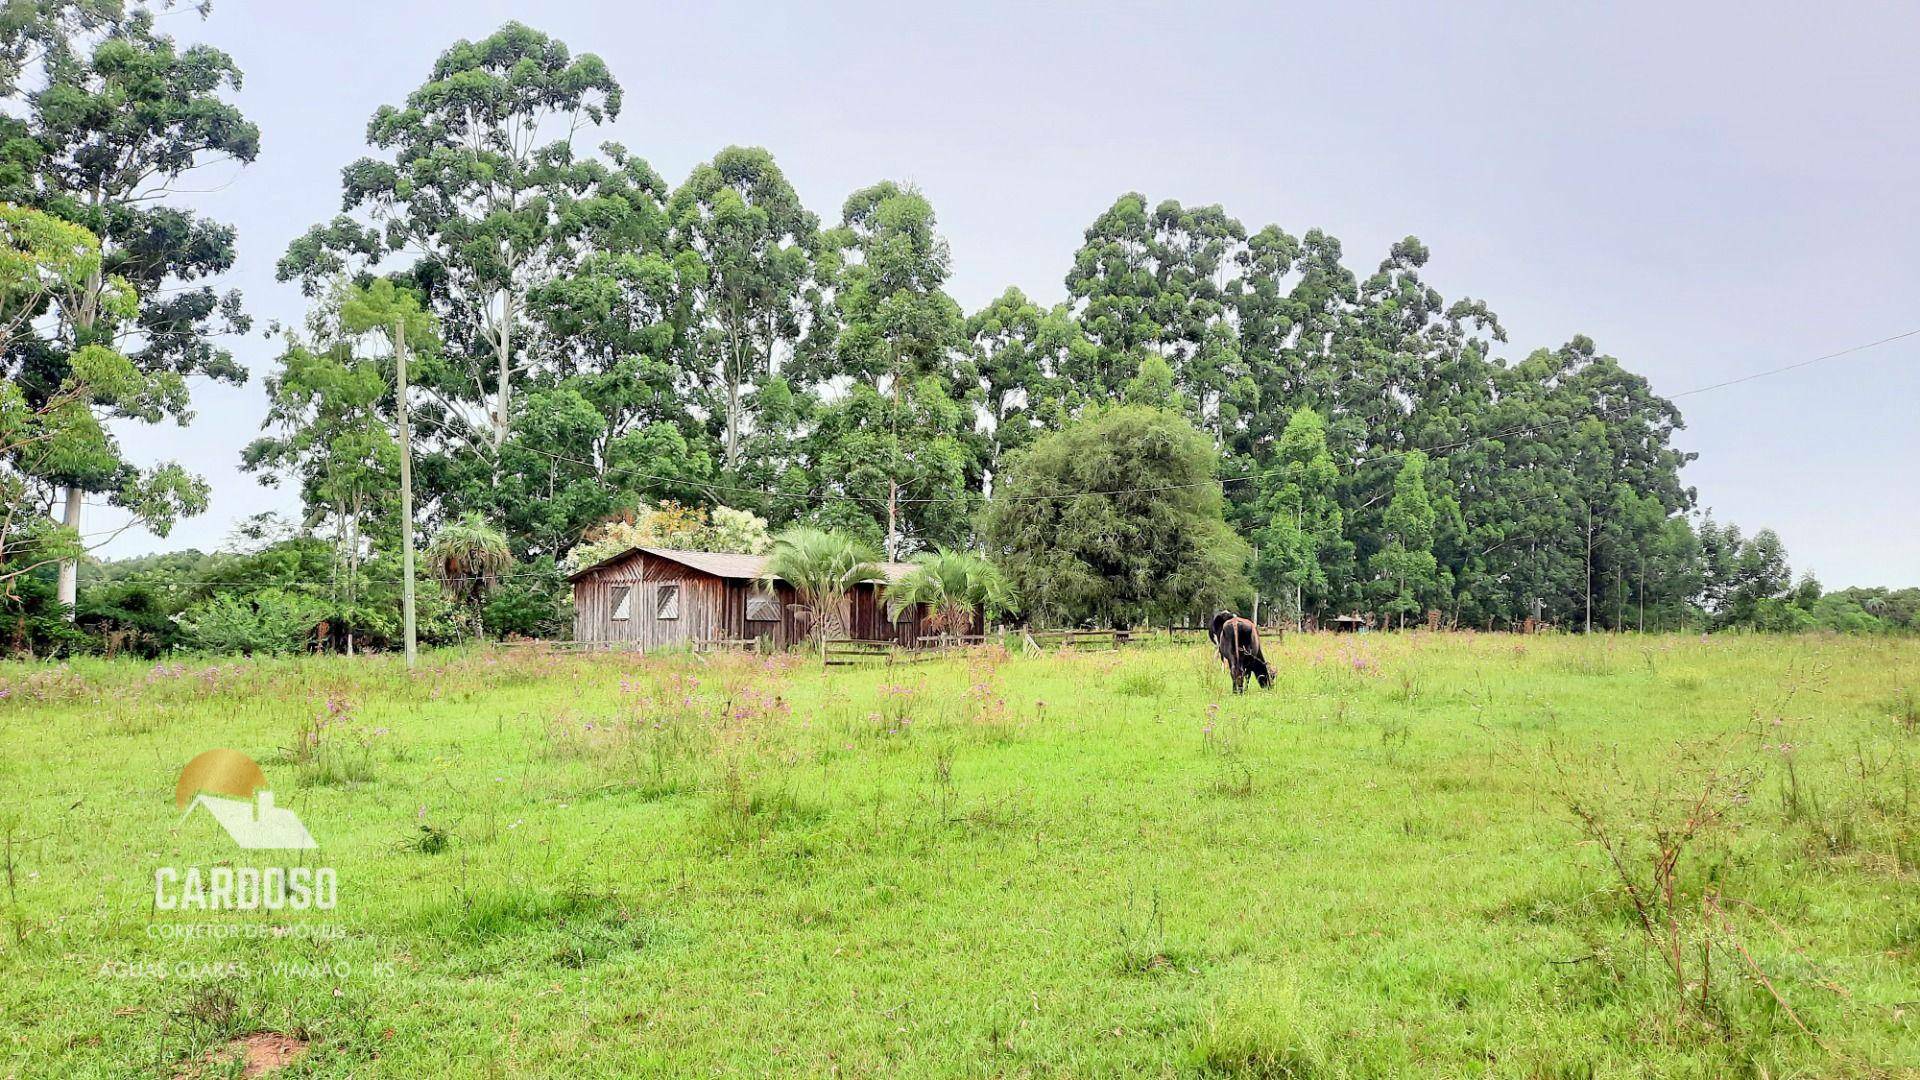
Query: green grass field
[1090,865]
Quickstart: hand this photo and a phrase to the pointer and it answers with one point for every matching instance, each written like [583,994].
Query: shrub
[273,622]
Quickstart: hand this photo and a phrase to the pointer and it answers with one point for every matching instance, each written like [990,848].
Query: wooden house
[650,598]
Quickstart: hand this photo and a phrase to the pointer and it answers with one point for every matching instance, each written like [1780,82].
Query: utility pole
[1299,584]
[893,519]
[406,489]
[1256,588]
[893,481]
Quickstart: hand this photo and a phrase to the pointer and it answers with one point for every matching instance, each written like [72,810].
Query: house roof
[720,564]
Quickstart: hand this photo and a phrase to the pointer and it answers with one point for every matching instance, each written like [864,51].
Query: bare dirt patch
[258,1054]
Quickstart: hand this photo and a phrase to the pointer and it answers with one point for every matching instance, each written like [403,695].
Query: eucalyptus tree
[49,270]
[328,411]
[1026,358]
[1267,320]
[1415,375]
[1300,550]
[1160,280]
[1407,577]
[480,171]
[115,116]
[756,296]
[611,419]
[896,445]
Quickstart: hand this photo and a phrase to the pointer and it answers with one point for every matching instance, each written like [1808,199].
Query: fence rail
[846,651]
[544,645]
[843,652]
[1075,639]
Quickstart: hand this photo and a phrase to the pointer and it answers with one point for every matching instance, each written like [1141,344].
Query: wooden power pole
[406,491]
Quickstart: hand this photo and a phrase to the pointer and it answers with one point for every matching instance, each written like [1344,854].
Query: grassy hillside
[1397,861]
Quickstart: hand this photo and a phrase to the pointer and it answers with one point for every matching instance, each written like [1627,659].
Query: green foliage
[469,557]
[591,344]
[955,585]
[1300,551]
[822,566]
[1116,518]
[899,446]
[269,621]
[108,311]
[1025,358]
[534,601]
[1148,280]
[1406,576]
[755,296]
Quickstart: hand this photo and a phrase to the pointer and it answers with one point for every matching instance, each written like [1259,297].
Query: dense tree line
[1214,415]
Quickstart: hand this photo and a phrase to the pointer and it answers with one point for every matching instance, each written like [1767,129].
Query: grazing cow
[1239,642]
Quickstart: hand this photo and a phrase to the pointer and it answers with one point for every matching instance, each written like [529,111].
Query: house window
[622,597]
[763,607]
[666,604]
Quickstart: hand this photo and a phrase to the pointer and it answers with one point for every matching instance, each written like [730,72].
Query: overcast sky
[1707,190]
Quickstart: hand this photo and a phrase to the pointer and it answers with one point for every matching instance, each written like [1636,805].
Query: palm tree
[954,584]
[469,556]
[823,567]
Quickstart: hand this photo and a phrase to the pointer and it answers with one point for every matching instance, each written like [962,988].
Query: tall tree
[755,298]
[120,116]
[1299,550]
[611,419]
[48,268]
[898,443]
[1407,576]
[328,413]
[1028,359]
[1158,280]
[483,167]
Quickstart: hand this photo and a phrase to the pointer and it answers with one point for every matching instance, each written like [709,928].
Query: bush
[532,602]
[271,621]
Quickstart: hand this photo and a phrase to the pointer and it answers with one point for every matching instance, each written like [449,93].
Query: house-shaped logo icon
[257,825]
[231,787]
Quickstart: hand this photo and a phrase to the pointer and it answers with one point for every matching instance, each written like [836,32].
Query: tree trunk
[1643,594]
[1256,588]
[69,589]
[1589,574]
[353,569]
[503,396]
[406,489]
[733,423]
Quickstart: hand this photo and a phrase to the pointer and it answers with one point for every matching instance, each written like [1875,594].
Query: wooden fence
[844,652]
[848,651]
[1077,639]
